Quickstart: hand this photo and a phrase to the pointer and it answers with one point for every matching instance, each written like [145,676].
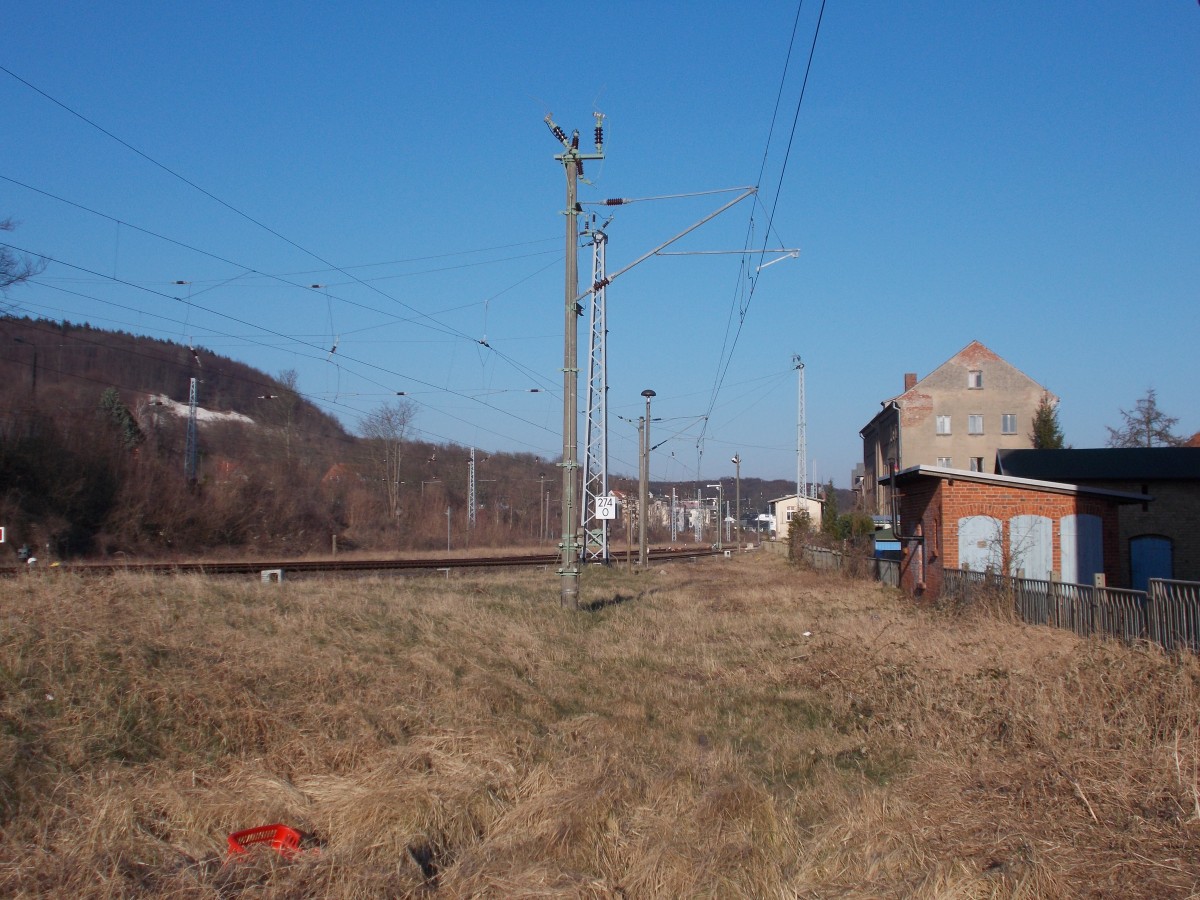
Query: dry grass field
[728,728]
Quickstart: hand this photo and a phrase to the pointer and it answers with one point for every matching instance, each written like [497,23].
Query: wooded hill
[93,433]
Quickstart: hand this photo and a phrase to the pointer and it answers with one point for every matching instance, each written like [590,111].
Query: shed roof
[1028,484]
[1103,464]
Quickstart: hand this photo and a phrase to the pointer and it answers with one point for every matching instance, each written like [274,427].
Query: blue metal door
[1150,556]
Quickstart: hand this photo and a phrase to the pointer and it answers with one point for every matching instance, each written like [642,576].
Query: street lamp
[737,461]
[644,488]
[720,502]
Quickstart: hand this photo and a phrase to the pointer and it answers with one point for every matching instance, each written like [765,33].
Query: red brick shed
[951,519]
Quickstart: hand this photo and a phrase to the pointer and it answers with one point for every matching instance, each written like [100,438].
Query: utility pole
[572,162]
[737,513]
[644,480]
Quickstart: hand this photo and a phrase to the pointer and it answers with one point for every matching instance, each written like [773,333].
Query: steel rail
[328,565]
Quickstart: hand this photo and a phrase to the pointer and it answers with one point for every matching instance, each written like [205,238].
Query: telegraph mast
[572,162]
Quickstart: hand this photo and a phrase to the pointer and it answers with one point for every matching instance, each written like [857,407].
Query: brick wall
[1174,513]
[933,507]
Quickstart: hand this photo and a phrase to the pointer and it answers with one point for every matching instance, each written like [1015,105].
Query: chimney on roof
[910,380]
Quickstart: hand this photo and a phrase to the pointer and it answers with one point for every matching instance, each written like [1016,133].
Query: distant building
[785,510]
[957,417]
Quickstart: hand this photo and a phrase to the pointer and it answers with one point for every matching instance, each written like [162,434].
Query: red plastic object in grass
[283,840]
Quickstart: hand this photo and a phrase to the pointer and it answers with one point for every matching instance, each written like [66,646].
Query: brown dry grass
[732,728]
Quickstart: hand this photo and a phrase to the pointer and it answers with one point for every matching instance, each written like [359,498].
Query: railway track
[335,566]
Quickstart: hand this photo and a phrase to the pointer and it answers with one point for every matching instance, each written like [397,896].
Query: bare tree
[385,430]
[288,401]
[15,269]
[1145,426]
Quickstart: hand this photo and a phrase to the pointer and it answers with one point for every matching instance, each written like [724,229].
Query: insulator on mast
[556,131]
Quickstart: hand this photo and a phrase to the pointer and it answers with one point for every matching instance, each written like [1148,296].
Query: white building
[785,509]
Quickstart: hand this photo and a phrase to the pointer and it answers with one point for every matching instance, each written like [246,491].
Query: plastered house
[957,417]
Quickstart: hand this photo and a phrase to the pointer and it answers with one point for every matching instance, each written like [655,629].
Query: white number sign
[606,507]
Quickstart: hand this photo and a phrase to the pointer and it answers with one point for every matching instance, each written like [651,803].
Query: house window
[976,463]
[1008,423]
[944,462]
[975,424]
[975,379]
[943,424]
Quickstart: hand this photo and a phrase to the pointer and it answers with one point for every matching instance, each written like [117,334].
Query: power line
[322,352]
[354,278]
[743,307]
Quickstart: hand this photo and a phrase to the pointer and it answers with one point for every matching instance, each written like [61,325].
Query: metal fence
[1168,613]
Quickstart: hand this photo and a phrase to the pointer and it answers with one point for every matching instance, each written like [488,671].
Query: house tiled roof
[1103,464]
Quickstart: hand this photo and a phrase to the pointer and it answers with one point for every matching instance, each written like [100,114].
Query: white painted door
[979,543]
[1031,546]
[1082,542]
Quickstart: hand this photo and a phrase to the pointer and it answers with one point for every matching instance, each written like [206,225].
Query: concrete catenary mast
[572,162]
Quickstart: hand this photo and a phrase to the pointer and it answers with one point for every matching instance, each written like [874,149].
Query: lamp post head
[647,393]
[736,459]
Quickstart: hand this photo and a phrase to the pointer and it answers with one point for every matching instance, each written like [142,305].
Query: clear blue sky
[1020,173]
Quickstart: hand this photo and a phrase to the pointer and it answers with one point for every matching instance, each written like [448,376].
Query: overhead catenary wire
[306,344]
[283,280]
[237,211]
[209,194]
[742,306]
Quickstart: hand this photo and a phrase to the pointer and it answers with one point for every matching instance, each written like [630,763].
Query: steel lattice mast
[190,451]
[801,432]
[595,479]
[471,490]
